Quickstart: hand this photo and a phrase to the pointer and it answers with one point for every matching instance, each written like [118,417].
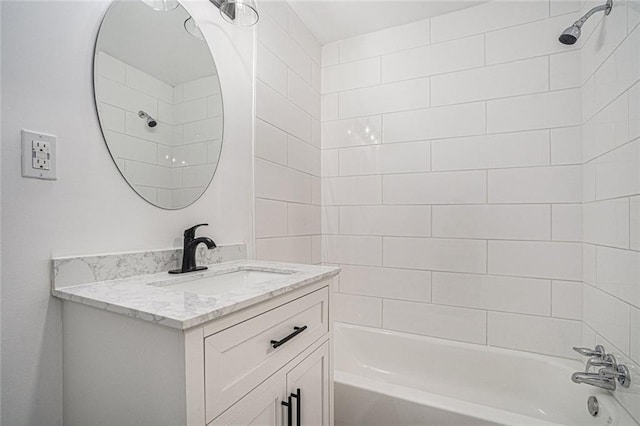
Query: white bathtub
[389,378]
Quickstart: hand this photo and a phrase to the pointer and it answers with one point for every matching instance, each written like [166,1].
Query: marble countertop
[151,297]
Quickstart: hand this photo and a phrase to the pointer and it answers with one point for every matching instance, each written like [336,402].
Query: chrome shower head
[572,34]
[151,122]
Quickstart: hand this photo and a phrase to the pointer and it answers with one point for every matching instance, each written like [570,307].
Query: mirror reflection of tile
[170,164]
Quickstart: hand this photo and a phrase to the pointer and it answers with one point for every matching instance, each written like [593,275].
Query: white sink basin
[223,283]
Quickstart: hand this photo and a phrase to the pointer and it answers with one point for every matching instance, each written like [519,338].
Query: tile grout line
[431,220]
[487,258]
[463,103]
[465,307]
[550,222]
[382,251]
[486,336]
[472,238]
[549,73]
[550,136]
[447,40]
[451,171]
[629,222]
[431,287]
[428,75]
[441,138]
[486,183]
[630,331]
[551,299]
[486,117]
[484,48]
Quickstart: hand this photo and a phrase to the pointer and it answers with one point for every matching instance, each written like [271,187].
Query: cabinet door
[311,378]
[239,358]
[261,407]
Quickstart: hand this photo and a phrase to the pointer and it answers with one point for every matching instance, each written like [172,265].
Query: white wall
[451,177]
[287,151]
[47,86]
[611,210]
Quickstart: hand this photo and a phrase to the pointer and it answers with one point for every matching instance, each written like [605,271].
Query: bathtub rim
[620,415]
[554,360]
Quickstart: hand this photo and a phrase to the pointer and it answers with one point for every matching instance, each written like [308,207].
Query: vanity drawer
[239,358]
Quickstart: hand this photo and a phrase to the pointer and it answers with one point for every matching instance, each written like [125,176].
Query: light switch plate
[39,155]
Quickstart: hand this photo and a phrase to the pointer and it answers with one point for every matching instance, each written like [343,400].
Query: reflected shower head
[572,34]
[151,122]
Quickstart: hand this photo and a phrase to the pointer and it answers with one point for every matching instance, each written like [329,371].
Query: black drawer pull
[296,331]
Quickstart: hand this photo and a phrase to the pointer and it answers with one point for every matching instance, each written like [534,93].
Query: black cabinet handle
[298,398]
[296,331]
[289,411]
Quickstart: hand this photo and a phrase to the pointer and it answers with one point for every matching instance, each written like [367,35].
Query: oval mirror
[159,100]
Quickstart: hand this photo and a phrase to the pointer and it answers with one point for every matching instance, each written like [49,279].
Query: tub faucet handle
[595,361]
[618,372]
[598,352]
[607,376]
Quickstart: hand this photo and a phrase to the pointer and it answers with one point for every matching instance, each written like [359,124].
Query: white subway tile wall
[479,180]
[288,159]
[468,325]
[452,177]
[533,333]
[171,163]
[611,156]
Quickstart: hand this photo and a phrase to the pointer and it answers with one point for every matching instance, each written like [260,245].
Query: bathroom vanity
[244,342]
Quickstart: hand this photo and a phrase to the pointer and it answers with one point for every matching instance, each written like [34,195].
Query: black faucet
[189,250]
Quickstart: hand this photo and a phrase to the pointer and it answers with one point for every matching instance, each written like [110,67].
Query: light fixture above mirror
[243,13]
[161,5]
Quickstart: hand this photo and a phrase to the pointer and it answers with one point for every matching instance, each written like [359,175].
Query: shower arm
[603,7]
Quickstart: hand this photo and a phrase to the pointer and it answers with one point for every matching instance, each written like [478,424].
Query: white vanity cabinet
[124,371]
[304,386]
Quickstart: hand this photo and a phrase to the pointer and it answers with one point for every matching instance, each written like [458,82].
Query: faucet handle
[598,352]
[190,234]
[595,362]
[607,361]
[619,372]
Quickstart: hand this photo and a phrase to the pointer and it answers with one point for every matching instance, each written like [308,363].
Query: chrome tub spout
[594,379]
